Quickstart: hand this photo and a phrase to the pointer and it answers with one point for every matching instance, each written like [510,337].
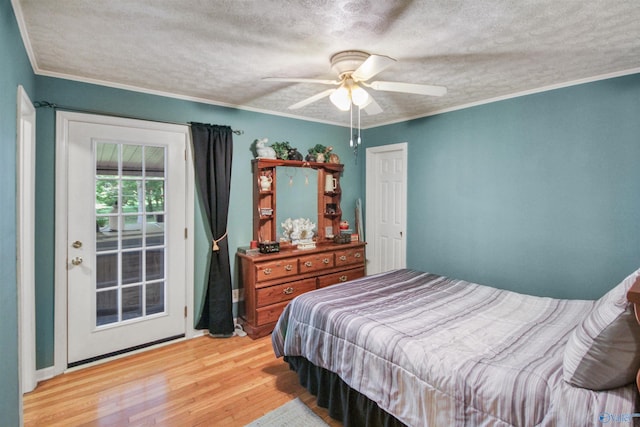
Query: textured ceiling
[219,51]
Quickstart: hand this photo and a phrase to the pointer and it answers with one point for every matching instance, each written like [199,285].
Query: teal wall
[539,194]
[301,134]
[14,70]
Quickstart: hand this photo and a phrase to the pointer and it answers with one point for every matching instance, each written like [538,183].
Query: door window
[130,244]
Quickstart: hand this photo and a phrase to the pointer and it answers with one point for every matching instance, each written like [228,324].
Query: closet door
[386,207]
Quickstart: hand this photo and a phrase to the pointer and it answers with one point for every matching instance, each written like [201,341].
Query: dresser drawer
[344,276]
[316,262]
[270,313]
[284,292]
[276,269]
[349,256]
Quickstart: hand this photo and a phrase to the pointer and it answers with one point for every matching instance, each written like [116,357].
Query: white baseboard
[45,374]
[49,372]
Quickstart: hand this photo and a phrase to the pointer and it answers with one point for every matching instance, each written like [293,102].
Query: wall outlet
[237,295]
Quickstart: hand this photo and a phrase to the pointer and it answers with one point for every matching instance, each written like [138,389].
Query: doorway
[386,207]
[121,241]
[25,216]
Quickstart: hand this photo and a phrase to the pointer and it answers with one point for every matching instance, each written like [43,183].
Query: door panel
[386,207]
[126,244]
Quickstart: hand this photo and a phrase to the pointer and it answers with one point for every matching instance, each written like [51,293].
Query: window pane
[131,192]
[155,298]
[154,195]
[131,160]
[131,267]
[107,159]
[131,302]
[155,231]
[106,196]
[132,233]
[106,240]
[106,270]
[155,264]
[154,161]
[106,307]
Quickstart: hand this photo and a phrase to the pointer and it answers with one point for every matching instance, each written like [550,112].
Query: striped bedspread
[434,351]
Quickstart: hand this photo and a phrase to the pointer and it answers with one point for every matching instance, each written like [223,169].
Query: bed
[412,348]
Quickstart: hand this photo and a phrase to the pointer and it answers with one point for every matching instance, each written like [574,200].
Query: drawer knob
[343,258]
[267,271]
[325,261]
[308,263]
[357,255]
[288,267]
[287,291]
[342,278]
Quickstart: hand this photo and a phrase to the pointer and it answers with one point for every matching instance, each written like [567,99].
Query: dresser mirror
[295,189]
[296,196]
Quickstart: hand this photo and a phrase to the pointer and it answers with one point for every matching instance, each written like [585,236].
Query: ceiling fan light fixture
[359,96]
[340,98]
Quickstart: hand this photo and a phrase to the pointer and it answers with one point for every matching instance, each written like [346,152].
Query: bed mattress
[434,351]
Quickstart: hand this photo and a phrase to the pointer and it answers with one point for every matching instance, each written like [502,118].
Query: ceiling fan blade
[372,107]
[297,80]
[373,65]
[311,99]
[408,88]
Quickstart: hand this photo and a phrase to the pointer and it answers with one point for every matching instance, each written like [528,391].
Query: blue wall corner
[537,194]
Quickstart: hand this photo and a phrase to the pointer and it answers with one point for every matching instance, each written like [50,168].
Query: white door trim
[25,227]
[371,193]
[61,203]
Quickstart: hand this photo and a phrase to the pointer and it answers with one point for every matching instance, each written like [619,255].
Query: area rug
[291,414]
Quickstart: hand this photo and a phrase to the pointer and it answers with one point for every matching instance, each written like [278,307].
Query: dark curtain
[212,152]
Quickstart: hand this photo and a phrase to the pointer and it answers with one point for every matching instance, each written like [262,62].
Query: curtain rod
[40,104]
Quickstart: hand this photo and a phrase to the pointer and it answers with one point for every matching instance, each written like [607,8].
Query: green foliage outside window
[107,196]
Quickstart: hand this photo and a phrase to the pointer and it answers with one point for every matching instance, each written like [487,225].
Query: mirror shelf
[265,190]
[265,163]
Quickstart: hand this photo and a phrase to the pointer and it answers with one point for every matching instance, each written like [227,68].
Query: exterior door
[125,234]
[386,207]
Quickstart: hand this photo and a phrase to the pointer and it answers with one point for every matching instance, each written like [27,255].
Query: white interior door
[125,234]
[386,207]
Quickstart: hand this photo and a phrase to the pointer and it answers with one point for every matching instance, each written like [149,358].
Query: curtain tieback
[215,247]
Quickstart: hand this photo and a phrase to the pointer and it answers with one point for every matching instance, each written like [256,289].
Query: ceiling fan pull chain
[359,139]
[351,124]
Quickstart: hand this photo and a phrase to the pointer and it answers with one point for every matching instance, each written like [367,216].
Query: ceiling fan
[354,69]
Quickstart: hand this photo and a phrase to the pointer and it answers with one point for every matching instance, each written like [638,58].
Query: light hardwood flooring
[200,382]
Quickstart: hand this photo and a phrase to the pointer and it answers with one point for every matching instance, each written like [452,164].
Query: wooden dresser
[270,281]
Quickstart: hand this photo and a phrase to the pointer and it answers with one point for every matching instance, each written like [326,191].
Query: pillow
[603,352]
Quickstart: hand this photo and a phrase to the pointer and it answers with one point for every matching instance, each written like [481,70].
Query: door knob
[77,260]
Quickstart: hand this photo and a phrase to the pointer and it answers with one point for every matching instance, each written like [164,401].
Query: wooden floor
[200,382]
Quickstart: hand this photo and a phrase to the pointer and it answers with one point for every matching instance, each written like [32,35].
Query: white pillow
[603,351]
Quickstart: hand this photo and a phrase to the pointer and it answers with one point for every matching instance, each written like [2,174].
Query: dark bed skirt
[343,402]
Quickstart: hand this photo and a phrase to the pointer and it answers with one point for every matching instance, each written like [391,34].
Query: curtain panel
[212,154]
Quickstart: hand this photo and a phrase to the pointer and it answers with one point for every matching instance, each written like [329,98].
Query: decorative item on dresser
[270,281]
